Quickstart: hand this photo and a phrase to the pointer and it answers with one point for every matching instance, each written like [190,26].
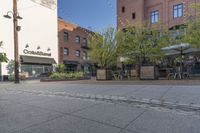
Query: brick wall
[73,31]
[143,9]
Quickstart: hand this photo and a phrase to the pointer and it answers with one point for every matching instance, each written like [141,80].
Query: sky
[95,15]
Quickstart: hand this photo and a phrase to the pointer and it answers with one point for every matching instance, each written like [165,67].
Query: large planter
[104,74]
[149,73]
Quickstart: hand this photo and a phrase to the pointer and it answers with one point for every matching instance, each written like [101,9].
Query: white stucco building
[38,44]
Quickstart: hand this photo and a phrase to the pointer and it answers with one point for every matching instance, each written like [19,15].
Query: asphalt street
[62,107]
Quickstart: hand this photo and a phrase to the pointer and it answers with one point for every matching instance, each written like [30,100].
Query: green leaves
[141,44]
[3,57]
[103,48]
[192,35]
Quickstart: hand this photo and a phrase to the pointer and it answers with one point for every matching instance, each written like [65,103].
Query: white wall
[38,28]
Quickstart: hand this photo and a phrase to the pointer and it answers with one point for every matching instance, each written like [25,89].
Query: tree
[103,48]
[192,35]
[3,57]
[143,45]
[11,67]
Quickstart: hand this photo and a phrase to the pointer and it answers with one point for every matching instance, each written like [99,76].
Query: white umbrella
[176,50]
[183,48]
[178,47]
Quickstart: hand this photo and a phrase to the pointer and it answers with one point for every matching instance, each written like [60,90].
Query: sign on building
[51,4]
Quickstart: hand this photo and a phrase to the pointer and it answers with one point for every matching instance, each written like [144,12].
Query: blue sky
[93,14]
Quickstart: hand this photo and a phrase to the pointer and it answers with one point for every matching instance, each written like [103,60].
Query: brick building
[73,46]
[170,13]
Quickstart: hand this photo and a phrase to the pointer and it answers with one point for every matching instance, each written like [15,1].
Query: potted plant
[142,45]
[103,52]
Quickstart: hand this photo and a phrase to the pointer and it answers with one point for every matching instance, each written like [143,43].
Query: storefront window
[35,71]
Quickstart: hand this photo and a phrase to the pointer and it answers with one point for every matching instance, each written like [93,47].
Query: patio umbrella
[179,49]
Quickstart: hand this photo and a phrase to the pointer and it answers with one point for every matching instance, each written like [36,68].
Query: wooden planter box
[149,72]
[133,74]
[104,74]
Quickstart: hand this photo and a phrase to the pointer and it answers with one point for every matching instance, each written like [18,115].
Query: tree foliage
[3,57]
[10,67]
[103,48]
[192,35]
[60,68]
[142,44]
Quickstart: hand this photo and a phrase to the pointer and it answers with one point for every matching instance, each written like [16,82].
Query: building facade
[73,46]
[38,43]
[169,13]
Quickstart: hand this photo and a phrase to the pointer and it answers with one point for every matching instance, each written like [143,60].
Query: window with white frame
[85,55]
[66,51]
[78,39]
[178,11]
[66,36]
[85,42]
[154,16]
[77,53]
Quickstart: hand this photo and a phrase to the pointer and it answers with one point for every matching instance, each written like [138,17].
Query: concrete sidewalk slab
[112,114]
[165,122]
[70,124]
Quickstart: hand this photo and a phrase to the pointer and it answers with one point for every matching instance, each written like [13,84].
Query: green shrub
[62,76]
[60,68]
[11,77]
[57,76]
[79,75]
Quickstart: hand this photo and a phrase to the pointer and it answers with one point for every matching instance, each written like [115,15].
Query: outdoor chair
[186,73]
[173,73]
[115,75]
[170,74]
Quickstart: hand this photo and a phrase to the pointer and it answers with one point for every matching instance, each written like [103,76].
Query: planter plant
[66,76]
[103,48]
[142,45]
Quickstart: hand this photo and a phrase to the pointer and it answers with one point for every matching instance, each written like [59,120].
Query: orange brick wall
[73,30]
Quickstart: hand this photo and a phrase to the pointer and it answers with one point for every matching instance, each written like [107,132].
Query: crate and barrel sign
[51,4]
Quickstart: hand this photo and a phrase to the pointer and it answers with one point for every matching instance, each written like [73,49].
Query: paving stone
[127,131]
[63,105]
[184,94]
[15,116]
[111,114]
[69,124]
[149,92]
[165,122]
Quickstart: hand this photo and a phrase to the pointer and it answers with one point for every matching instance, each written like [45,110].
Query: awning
[67,62]
[36,60]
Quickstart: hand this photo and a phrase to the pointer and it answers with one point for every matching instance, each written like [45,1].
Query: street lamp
[16,28]
[122,59]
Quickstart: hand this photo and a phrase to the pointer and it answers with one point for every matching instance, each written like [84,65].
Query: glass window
[84,42]
[77,53]
[178,11]
[123,9]
[77,39]
[66,51]
[133,15]
[84,55]
[154,17]
[66,36]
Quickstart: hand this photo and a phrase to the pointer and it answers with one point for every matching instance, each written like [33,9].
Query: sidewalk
[137,82]
[119,82]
